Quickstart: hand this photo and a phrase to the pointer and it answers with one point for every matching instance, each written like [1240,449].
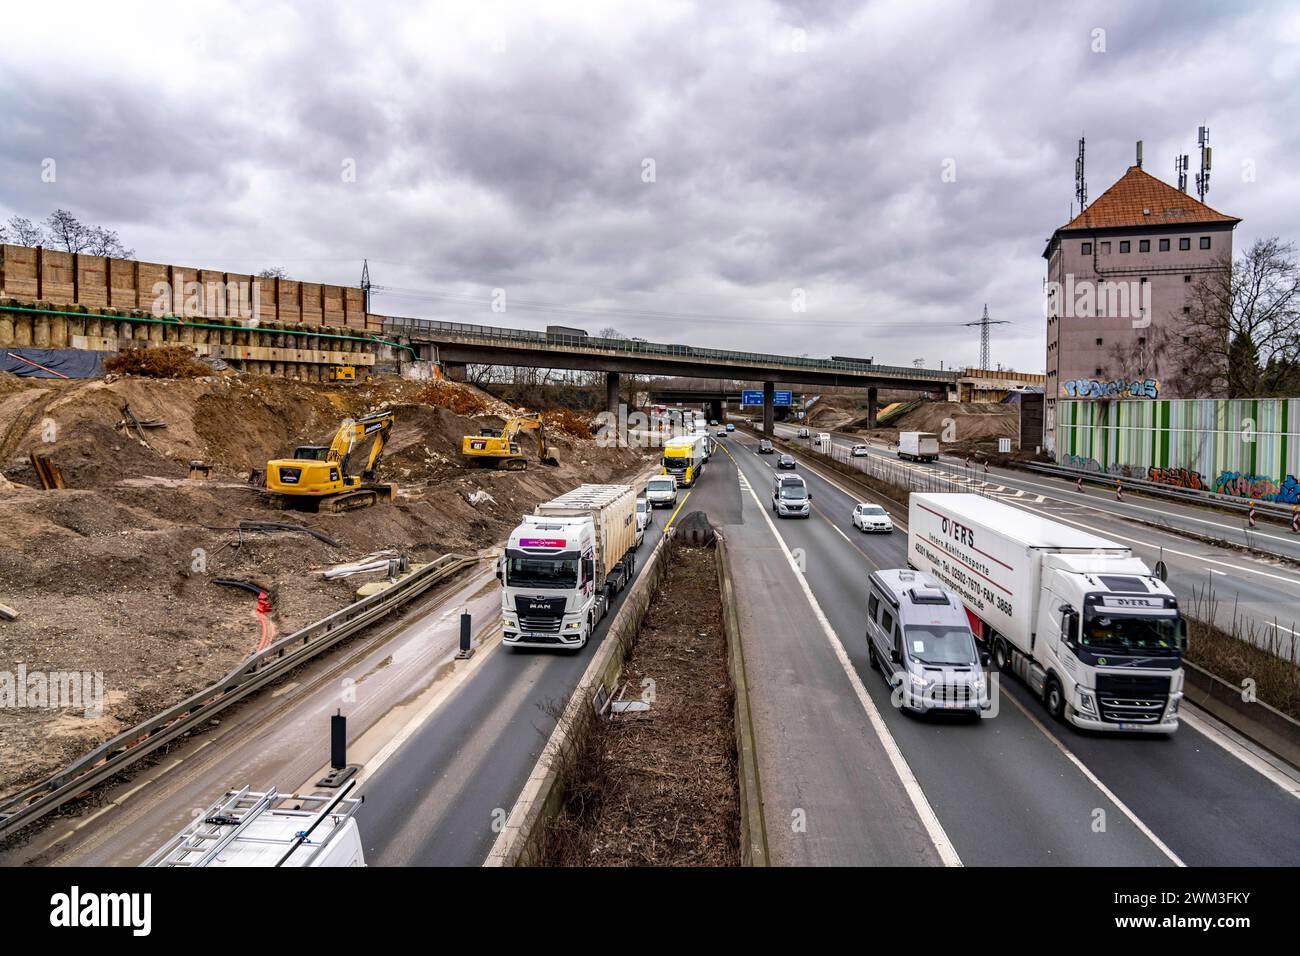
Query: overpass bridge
[457,344]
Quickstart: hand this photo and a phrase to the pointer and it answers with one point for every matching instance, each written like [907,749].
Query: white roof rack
[260,828]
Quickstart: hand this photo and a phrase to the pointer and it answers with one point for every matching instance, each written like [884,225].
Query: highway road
[446,746]
[1018,789]
[1253,585]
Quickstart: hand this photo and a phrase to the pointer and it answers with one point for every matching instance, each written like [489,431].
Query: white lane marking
[1096,782]
[1241,752]
[484,650]
[1279,627]
[942,845]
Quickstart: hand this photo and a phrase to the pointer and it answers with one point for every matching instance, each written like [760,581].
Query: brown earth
[115,573]
[973,424]
[659,787]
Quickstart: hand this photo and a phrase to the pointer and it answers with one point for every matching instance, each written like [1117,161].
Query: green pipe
[170,319]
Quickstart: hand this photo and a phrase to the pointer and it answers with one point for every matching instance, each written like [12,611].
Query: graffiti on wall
[1115,388]
[1178,477]
[1258,487]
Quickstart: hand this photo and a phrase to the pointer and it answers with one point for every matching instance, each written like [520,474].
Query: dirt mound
[956,423]
[115,574]
[163,361]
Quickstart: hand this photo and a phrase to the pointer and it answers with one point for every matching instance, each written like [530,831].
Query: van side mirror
[985,660]
[1070,627]
[893,656]
[501,568]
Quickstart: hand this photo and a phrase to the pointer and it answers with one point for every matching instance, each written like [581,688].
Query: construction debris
[199,471]
[378,561]
[131,420]
[47,472]
[8,613]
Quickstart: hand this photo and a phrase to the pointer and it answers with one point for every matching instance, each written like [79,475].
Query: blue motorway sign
[754,396]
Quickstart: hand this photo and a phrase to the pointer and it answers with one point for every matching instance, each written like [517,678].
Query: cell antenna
[1203,177]
[1180,170]
[984,324]
[1080,184]
[365,282]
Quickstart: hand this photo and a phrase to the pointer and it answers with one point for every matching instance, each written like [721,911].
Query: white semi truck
[1077,617]
[563,565]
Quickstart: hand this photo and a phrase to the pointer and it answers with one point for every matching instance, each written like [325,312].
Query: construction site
[142,544]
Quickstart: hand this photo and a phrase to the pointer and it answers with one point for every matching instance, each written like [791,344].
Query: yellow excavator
[317,475]
[498,448]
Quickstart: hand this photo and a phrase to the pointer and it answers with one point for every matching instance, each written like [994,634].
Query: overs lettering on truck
[970,572]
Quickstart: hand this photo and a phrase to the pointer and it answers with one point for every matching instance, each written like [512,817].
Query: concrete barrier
[753,827]
[1257,721]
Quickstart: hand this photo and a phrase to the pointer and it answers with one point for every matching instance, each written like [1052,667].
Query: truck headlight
[1173,706]
[573,625]
[1086,703]
[918,682]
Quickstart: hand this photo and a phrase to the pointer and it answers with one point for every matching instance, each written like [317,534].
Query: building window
[1187,340]
[1124,246]
[1205,242]
[1187,310]
[1105,247]
[1144,278]
[1184,245]
[1097,372]
[1099,341]
[1142,340]
[1087,248]
[1164,245]
[1144,245]
[1187,278]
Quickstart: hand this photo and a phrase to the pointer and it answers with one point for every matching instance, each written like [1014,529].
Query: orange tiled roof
[1140,199]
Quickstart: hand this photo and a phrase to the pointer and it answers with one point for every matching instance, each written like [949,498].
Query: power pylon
[984,324]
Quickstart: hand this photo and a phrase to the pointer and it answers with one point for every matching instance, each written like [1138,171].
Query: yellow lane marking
[679,507]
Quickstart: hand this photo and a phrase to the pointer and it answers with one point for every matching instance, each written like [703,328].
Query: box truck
[918,446]
[1082,621]
[563,565]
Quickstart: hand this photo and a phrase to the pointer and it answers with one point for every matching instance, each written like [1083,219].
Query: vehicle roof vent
[926,594]
[1122,582]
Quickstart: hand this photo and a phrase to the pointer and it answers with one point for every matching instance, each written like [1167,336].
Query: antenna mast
[1080,185]
[1180,169]
[365,282]
[1203,177]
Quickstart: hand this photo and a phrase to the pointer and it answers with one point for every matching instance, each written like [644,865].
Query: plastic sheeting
[51,363]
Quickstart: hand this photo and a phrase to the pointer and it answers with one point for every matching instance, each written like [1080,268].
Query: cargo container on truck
[1082,621]
[564,564]
[684,458]
[918,446]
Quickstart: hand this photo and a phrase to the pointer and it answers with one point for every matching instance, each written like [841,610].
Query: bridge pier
[611,392]
[455,371]
[716,408]
[871,407]
[769,395]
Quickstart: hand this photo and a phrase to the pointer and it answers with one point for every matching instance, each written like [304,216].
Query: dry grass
[167,361]
[1245,651]
[659,787]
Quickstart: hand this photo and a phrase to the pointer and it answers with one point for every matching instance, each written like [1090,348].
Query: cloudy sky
[673,170]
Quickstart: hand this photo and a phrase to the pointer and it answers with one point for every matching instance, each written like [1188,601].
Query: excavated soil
[115,574]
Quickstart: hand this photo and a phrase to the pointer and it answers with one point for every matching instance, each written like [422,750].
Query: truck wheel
[1054,698]
[1001,655]
[871,654]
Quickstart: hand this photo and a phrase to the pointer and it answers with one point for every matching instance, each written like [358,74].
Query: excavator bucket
[550,458]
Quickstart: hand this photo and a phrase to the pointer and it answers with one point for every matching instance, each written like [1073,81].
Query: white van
[804,433]
[790,497]
[661,491]
[919,637]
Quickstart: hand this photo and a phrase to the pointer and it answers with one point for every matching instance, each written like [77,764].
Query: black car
[785,461]
[765,447]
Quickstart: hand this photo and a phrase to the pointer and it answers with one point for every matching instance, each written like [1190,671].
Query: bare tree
[1242,334]
[104,242]
[66,231]
[274,272]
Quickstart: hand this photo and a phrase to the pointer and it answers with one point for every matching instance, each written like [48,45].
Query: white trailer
[563,565]
[266,828]
[1077,617]
[918,446]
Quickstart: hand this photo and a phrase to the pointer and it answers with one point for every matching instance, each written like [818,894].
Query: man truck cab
[919,637]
